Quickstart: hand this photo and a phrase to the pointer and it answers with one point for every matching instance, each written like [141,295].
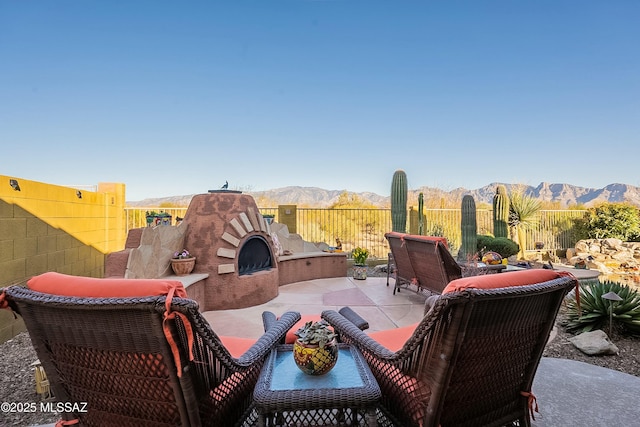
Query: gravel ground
[627,360]
[17,377]
[18,384]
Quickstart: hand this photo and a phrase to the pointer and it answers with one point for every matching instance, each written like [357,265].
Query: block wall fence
[45,227]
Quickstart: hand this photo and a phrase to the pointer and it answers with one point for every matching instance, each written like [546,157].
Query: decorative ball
[492,258]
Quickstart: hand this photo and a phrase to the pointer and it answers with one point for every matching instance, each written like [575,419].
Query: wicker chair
[129,359]
[471,361]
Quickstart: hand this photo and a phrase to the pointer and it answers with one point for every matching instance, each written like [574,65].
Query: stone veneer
[152,258]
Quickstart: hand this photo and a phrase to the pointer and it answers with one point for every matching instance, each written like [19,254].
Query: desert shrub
[610,220]
[502,245]
[593,312]
[483,241]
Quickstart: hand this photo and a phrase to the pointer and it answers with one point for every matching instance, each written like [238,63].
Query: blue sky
[174,98]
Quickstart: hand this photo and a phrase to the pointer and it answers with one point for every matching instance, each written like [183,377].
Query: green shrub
[610,220]
[502,245]
[483,241]
[594,310]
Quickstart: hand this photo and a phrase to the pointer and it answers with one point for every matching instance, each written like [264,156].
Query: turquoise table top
[287,375]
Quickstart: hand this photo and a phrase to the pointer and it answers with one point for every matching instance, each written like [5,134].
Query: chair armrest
[354,318]
[273,336]
[350,333]
[268,320]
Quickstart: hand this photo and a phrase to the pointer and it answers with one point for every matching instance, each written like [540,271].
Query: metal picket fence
[366,227]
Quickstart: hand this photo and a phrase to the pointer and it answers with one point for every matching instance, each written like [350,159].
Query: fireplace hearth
[254,256]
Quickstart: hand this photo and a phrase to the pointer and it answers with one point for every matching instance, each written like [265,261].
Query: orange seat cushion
[503,280]
[441,240]
[77,286]
[395,234]
[394,339]
[237,346]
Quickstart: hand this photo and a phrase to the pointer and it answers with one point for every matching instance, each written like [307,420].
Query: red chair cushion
[394,339]
[395,234]
[441,240]
[237,346]
[503,280]
[77,286]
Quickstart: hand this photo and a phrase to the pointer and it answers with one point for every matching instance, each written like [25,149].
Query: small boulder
[594,343]
[380,268]
[611,243]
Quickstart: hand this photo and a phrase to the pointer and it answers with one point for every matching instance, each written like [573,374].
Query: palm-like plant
[593,312]
[523,216]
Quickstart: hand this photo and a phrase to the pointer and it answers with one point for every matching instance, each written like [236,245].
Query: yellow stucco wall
[45,227]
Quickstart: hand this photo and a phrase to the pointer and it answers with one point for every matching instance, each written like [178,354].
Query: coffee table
[346,395]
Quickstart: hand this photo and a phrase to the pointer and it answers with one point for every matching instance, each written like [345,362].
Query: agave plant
[593,312]
[319,333]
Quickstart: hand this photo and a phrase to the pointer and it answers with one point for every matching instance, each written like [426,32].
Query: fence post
[287,215]
[413,220]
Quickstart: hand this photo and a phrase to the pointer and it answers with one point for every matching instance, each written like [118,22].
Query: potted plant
[151,217]
[183,262]
[157,218]
[316,350]
[360,256]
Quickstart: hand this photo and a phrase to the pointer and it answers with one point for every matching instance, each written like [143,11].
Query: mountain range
[562,195]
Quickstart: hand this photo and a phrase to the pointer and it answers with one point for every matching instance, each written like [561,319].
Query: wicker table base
[346,396]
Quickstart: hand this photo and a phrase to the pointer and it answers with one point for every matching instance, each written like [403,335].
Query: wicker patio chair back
[432,262]
[404,273]
[113,354]
[471,361]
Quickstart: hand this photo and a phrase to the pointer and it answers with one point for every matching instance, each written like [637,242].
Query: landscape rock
[594,343]
[606,255]
[611,243]
[293,243]
[380,268]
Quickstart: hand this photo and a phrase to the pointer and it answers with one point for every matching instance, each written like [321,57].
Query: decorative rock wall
[293,243]
[152,258]
[606,255]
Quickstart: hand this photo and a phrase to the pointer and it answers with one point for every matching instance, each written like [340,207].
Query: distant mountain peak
[563,194]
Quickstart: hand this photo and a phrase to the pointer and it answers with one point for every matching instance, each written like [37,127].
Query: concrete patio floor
[370,298]
[568,392]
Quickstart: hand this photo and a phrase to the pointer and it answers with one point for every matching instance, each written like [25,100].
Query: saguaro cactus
[399,201]
[421,214]
[501,212]
[469,229]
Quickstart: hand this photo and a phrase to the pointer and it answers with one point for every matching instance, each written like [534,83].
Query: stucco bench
[303,266]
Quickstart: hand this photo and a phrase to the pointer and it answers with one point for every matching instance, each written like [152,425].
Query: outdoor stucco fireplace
[232,243]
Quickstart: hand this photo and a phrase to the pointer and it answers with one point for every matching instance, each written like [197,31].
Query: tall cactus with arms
[399,190]
[501,212]
[469,229]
